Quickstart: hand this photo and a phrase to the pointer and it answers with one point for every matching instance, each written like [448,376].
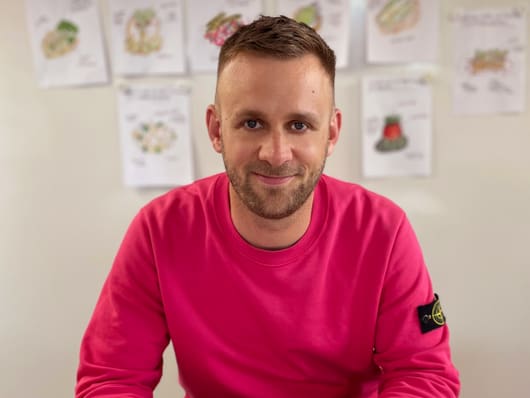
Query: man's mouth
[273,180]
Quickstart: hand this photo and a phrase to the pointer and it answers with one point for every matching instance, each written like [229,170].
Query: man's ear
[334,130]
[214,127]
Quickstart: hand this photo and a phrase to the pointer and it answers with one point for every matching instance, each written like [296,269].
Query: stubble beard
[273,203]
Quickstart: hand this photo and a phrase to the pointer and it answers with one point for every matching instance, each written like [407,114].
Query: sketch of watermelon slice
[221,27]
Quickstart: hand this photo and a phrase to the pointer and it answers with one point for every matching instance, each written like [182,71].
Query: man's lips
[273,180]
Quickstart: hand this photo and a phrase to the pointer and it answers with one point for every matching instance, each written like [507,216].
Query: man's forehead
[248,59]
[248,72]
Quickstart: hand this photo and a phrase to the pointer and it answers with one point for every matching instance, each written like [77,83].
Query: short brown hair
[279,37]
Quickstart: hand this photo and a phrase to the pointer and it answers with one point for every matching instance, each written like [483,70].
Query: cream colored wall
[63,211]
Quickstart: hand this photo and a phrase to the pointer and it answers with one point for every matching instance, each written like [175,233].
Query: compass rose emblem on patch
[431,315]
[437,313]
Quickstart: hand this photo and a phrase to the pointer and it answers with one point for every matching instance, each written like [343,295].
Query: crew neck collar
[271,258]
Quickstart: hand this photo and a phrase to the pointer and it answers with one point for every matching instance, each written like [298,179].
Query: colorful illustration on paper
[154,137]
[221,27]
[393,138]
[60,41]
[311,15]
[142,34]
[492,60]
[397,16]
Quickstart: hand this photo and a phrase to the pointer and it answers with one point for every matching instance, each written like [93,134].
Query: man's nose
[276,148]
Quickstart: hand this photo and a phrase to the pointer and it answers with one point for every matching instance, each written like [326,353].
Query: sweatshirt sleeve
[121,351]
[413,363]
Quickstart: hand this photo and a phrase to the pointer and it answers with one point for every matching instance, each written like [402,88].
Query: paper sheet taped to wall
[396,126]
[330,18]
[210,23]
[147,37]
[402,30]
[66,41]
[155,134]
[489,60]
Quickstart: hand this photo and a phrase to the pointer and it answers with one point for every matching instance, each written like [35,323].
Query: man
[271,280]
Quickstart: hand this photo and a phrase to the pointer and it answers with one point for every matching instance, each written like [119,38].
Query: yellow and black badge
[431,315]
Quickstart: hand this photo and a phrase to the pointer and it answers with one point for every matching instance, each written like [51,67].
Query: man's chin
[273,214]
[275,204]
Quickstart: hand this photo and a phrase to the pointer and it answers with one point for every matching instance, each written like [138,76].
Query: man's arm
[414,363]
[121,351]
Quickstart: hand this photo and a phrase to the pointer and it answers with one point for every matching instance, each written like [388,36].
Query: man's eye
[299,126]
[252,124]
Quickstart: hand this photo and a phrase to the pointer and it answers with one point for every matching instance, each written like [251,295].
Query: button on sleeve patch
[431,315]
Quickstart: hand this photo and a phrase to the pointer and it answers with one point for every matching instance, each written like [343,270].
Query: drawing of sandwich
[397,16]
[493,60]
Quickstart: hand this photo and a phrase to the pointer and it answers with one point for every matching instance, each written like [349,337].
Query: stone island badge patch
[431,315]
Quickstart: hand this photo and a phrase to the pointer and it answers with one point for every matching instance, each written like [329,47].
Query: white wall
[63,211]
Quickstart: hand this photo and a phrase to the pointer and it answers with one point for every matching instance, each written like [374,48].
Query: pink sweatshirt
[335,315]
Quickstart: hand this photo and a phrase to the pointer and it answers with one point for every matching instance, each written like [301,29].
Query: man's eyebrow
[255,114]
[248,113]
[301,116]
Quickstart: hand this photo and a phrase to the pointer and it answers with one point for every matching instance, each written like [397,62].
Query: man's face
[274,123]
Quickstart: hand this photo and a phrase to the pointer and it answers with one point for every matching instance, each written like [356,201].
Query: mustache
[284,170]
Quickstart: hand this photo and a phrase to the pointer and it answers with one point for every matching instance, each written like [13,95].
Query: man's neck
[266,233]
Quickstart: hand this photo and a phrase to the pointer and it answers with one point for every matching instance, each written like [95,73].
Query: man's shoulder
[346,191]
[353,197]
[188,197]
